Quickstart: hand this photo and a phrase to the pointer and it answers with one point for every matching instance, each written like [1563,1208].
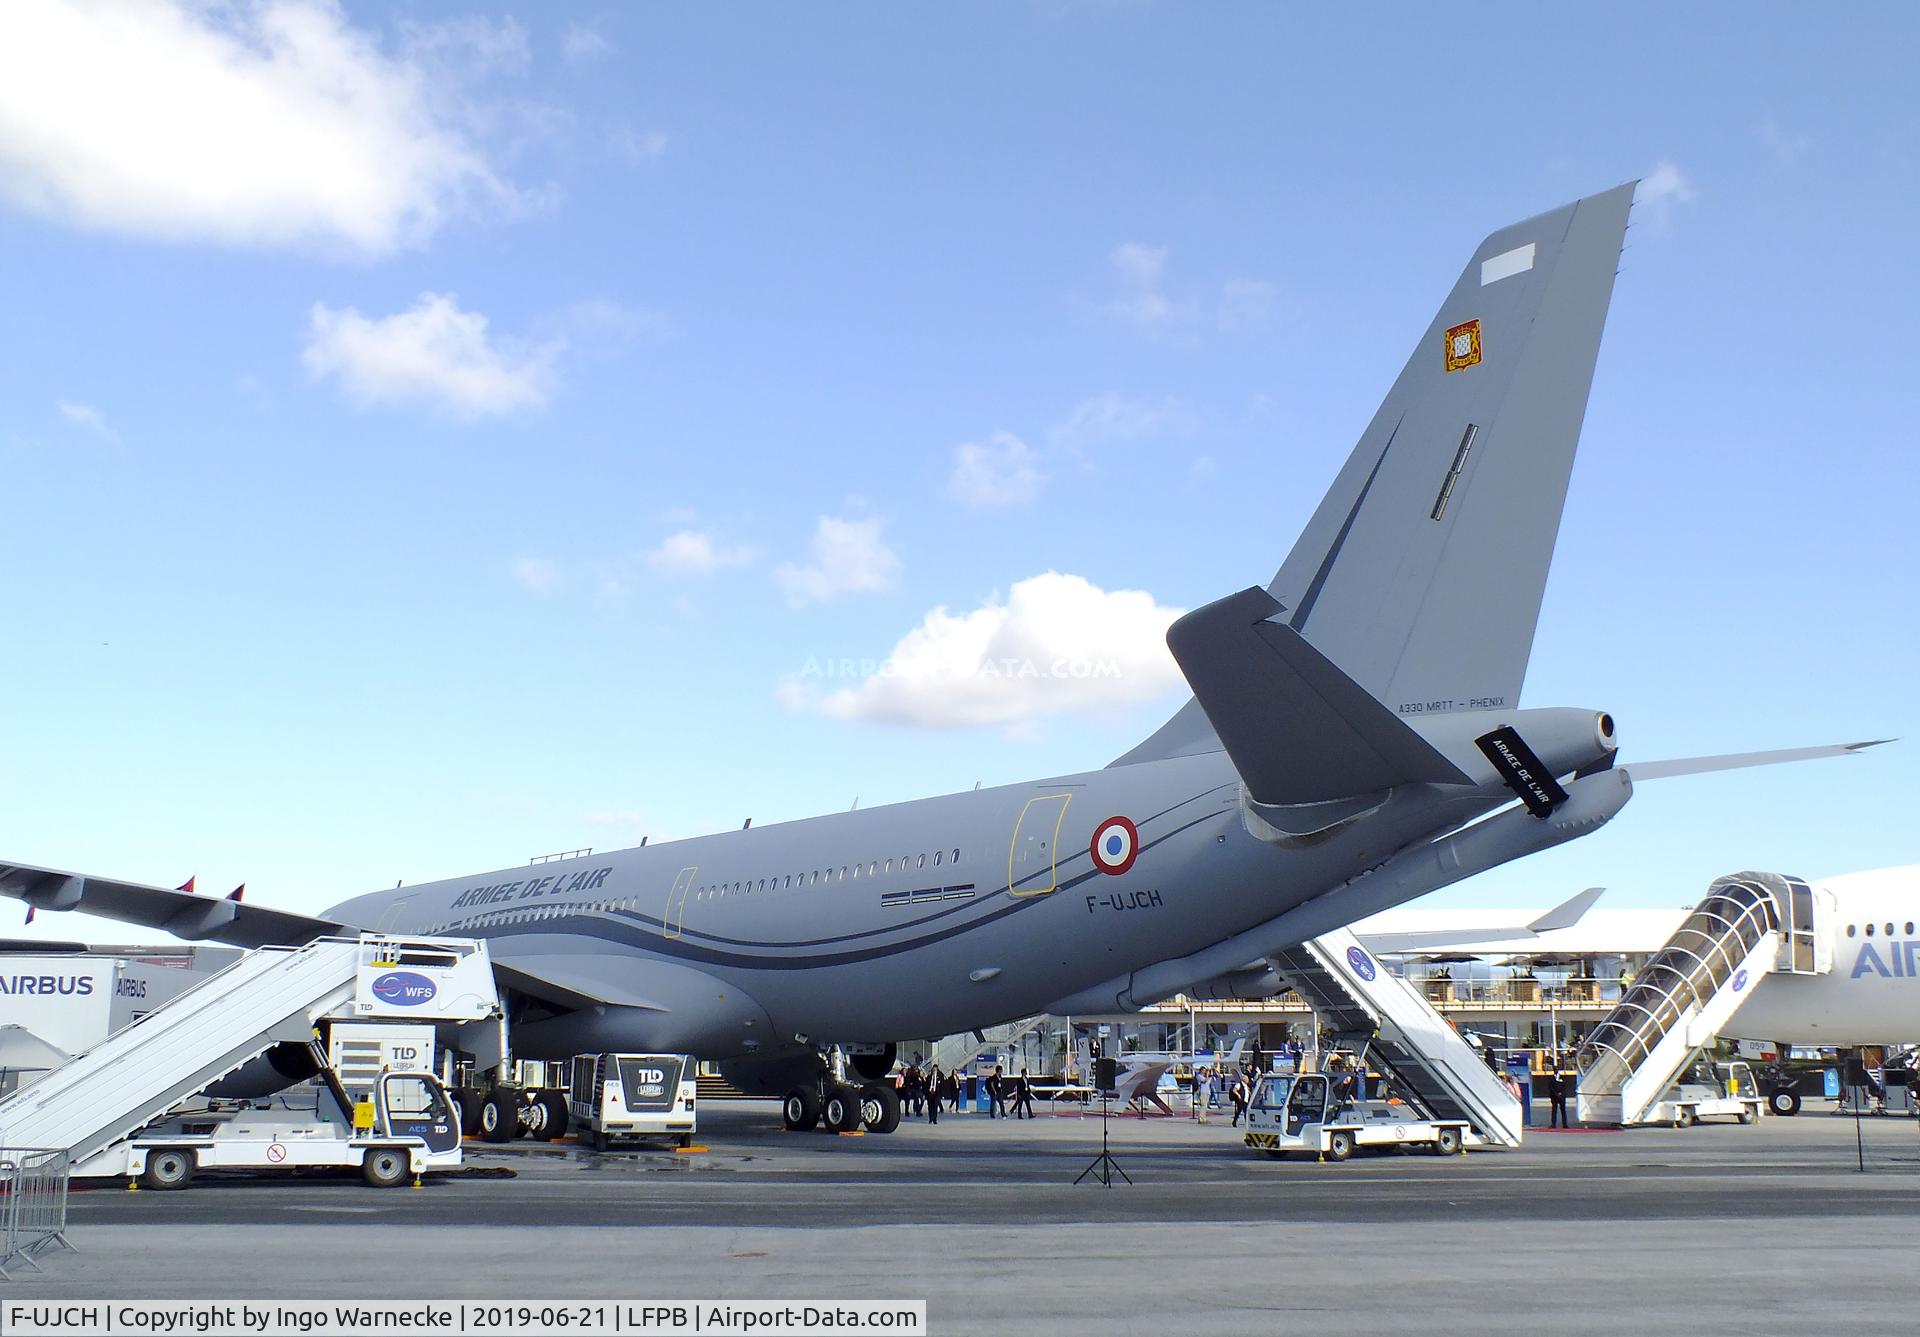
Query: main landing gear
[844,1106]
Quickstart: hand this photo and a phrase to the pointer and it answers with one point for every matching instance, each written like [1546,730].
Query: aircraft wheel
[169,1169]
[499,1117]
[385,1167]
[879,1107]
[533,1118]
[1784,1102]
[1339,1145]
[801,1109]
[556,1116]
[842,1110]
[1447,1142]
[469,1101]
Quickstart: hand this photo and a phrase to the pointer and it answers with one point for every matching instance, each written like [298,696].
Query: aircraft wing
[1564,915]
[181,913]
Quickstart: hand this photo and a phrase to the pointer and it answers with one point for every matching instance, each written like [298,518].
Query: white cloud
[538,575]
[998,472]
[582,44]
[1058,643]
[257,122]
[433,352]
[845,557]
[1141,263]
[460,47]
[88,417]
[692,552]
[1116,417]
[638,146]
[1246,304]
[1662,191]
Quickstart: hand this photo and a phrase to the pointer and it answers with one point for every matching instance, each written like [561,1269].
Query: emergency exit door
[1034,857]
[677,901]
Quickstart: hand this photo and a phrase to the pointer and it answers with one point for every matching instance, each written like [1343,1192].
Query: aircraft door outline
[392,915]
[1034,856]
[675,918]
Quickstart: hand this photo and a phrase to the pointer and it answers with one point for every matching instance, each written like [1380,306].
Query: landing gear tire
[1447,1142]
[556,1120]
[801,1109]
[1339,1146]
[842,1110]
[1784,1103]
[879,1107]
[533,1118]
[169,1169]
[385,1167]
[499,1117]
[469,1103]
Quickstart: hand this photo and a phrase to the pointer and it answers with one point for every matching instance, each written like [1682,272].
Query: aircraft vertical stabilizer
[1421,573]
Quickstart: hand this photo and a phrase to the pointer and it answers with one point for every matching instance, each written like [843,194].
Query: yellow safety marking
[858,1132]
[688,1151]
[1053,848]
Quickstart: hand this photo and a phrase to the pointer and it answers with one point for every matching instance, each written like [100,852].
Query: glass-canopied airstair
[1749,925]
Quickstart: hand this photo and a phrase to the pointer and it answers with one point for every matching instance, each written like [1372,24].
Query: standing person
[996,1095]
[1559,1086]
[950,1089]
[933,1092]
[914,1095]
[1023,1096]
[1200,1086]
[1239,1094]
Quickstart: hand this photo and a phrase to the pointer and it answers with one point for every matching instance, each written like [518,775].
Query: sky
[438,435]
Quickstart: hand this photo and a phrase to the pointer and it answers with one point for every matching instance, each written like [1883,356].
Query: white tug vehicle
[1312,1113]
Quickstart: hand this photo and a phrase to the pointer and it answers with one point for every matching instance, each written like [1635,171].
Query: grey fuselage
[966,910]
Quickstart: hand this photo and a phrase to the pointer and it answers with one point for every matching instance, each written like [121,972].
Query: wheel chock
[855,1132]
[689,1151]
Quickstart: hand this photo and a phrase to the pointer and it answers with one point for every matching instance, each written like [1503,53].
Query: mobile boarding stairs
[1749,926]
[271,996]
[1368,1010]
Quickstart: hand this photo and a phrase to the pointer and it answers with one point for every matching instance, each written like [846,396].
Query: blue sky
[434,436]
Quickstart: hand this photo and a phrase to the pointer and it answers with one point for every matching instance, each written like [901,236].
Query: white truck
[404,1127]
[368,1017]
[1710,1090]
[1305,1114]
[624,1097]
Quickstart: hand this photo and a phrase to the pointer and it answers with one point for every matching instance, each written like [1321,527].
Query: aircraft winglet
[1569,912]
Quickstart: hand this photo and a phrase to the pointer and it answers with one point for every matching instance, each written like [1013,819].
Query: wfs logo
[1739,980]
[1362,963]
[403,988]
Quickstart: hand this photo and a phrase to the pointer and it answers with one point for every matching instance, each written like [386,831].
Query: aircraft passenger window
[843,872]
[1849,930]
[1869,930]
[1889,930]
[1909,928]
[856,871]
[873,870]
[956,856]
[936,858]
[922,863]
[889,867]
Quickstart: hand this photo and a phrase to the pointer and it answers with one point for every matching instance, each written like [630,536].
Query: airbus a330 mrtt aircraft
[1355,740]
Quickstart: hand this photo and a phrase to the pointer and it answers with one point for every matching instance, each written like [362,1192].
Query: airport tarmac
[1769,1228]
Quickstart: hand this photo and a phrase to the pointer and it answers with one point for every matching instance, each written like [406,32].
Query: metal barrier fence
[33,1205]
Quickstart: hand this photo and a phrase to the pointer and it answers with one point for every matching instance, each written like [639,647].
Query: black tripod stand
[1104,1166]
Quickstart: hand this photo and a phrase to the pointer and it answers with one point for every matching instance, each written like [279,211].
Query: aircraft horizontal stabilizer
[1298,729]
[1733,761]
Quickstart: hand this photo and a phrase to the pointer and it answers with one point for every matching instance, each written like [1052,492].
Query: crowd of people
[923,1091]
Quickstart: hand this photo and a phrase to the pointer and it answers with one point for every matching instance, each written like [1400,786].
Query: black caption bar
[1523,772]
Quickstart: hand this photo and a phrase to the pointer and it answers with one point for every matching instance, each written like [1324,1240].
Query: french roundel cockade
[1115,845]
